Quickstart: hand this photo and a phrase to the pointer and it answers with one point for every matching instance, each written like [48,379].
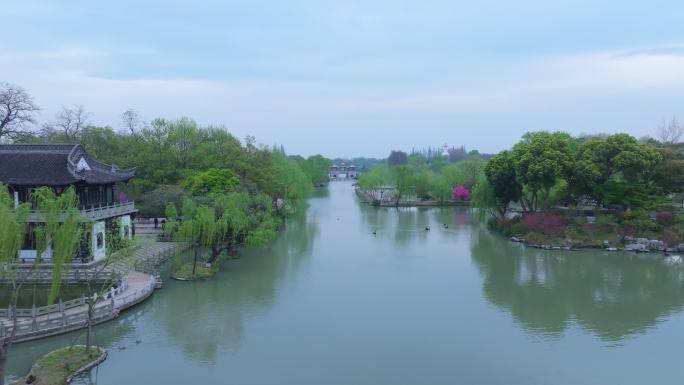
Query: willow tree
[58,233]
[13,228]
[229,220]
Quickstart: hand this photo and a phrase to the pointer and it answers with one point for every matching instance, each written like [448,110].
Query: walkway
[138,284]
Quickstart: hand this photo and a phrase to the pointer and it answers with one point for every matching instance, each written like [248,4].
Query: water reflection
[110,335]
[207,318]
[612,295]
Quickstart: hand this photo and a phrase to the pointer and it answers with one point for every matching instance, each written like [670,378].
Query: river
[331,303]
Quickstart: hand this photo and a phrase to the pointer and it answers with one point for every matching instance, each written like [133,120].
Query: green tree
[541,158]
[403,182]
[503,184]
[212,181]
[57,234]
[227,221]
[316,167]
[13,228]
[619,157]
[441,188]
[397,158]
[422,184]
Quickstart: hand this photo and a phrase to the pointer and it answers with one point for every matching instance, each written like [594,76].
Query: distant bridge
[343,171]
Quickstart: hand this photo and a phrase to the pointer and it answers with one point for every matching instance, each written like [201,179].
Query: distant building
[343,171]
[24,167]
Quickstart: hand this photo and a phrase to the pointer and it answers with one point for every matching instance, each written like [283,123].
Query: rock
[680,247]
[655,244]
[612,249]
[635,247]
[629,238]
[516,239]
[606,243]
[643,241]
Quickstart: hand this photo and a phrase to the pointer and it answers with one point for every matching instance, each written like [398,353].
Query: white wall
[126,225]
[101,252]
[29,255]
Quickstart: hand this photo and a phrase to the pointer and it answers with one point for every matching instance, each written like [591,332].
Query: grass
[55,367]
[184,273]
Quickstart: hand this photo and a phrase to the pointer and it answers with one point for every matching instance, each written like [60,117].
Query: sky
[356,78]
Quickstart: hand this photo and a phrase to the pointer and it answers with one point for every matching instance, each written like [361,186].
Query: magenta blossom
[461,194]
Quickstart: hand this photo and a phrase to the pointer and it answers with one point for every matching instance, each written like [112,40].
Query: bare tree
[131,121]
[71,121]
[17,111]
[671,132]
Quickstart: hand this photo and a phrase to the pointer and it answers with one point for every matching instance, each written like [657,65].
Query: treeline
[362,164]
[546,169]
[170,155]
[407,177]
[440,154]
[602,191]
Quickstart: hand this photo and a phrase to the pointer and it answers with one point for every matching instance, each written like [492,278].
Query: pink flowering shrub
[670,239]
[544,223]
[665,218]
[461,193]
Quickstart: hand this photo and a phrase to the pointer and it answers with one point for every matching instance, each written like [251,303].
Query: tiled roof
[54,165]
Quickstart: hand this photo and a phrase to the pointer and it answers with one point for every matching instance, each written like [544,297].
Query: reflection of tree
[403,224]
[613,295]
[205,317]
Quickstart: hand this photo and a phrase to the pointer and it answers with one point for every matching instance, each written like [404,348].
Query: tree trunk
[4,349]
[215,253]
[194,264]
[91,308]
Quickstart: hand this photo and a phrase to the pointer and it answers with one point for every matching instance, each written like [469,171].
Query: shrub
[506,228]
[665,218]
[461,194]
[544,223]
[638,220]
[517,229]
[627,231]
[670,239]
[536,238]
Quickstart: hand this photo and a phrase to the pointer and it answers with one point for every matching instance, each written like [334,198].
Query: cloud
[576,91]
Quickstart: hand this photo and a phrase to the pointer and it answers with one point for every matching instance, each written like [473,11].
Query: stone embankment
[138,282]
[639,245]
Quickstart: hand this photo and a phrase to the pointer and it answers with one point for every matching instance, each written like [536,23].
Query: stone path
[138,284]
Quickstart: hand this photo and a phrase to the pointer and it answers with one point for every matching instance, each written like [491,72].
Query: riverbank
[435,288]
[185,272]
[660,232]
[138,283]
[60,366]
[367,198]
